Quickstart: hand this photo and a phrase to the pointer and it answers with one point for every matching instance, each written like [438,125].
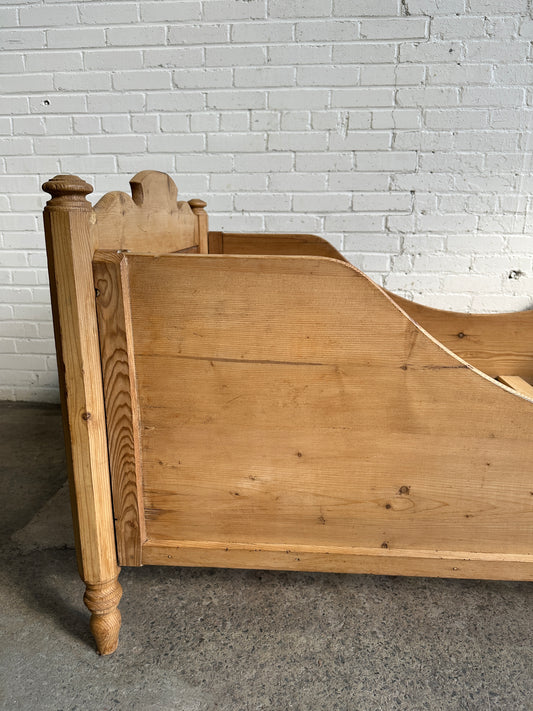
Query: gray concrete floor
[231,640]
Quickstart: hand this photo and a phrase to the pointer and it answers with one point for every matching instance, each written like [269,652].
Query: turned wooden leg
[102,600]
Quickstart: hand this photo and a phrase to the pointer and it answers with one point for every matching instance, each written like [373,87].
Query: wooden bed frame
[254,401]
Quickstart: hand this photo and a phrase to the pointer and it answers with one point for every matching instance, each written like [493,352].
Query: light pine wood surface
[250,400]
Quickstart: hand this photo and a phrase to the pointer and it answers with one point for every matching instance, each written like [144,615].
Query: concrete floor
[230,640]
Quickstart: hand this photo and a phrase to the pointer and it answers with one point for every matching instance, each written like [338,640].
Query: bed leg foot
[102,600]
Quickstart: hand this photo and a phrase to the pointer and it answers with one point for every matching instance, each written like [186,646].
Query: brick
[327,76]
[53,61]
[236,100]
[264,76]
[171,11]
[205,163]
[238,181]
[26,83]
[492,96]
[392,75]
[363,8]
[203,121]
[265,121]
[221,10]
[82,81]
[299,8]
[456,118]
[115,103]
[294,54]
[361,141]
[495,51]
[172,101]
[138,35]
[263,202]
[235,121]
[261,32]
[398,161]
[116,123]
[398,28]
[382,202]
[453,28]
[114,59]
[108,13]
[323,161]
[434,52]
[294,141]
[321,202]
[300,99]
[358,181]
[48,145]
[146,80]
[327,31]
[174,123]
[233,56]
[427,96]
[117,144]
[76,37]
[295,121]
[228,143]
[355,53]
[362,97]
[176,143]
[48,15]
[11,63]
[299,182]
[459,74]
[22,39]
[265,162]
[198,34]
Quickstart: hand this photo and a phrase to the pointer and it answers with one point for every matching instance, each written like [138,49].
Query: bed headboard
[152,220]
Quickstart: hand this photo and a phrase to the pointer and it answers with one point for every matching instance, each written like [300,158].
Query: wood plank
[290,399]
[518,384]
[70,246]
[277,243]
[122,417]
[152,220]
[494,343]
[426,563]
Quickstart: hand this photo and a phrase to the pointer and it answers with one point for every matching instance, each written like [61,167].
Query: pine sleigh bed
[255,401]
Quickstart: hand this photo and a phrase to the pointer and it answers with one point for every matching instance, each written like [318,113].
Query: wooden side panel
[494,343]
[289,403]
[281,244]
[118,369]
[150,221]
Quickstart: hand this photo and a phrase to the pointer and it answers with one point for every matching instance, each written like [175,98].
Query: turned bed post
[67,219]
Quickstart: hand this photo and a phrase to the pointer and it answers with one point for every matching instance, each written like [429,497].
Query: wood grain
[494,343]
[271,243]
[152,220]
[518,384]
[289,400]
[122,415]
[67,218]
[430,563]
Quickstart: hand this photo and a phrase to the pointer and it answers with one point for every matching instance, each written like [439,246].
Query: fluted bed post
[70,248]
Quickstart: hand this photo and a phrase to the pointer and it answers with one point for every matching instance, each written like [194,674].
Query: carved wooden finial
[197,206]
[68,191]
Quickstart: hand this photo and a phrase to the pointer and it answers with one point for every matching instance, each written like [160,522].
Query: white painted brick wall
[399,129]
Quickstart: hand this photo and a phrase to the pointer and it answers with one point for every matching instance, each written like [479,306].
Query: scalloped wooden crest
[151,220]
